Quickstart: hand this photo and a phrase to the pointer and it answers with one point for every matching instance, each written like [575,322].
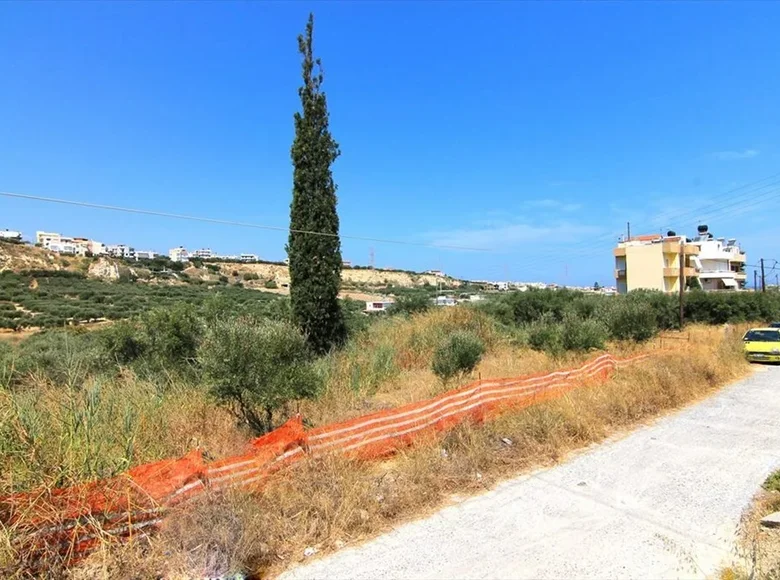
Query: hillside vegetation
[77,405]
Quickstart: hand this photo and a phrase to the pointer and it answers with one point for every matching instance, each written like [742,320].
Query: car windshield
[775,325]
[763,335]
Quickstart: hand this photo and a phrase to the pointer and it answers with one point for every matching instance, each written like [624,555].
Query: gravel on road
[662,502]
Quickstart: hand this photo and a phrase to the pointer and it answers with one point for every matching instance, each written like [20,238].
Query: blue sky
[534,130]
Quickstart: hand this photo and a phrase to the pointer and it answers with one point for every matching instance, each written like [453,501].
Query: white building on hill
[179,254]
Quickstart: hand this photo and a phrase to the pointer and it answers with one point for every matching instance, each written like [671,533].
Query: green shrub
[255,367]
[582,335]
[632,320]
[546,335]
[411,303]
[250,276]
[271,284]
[122,342]
[458,354]
[172,335]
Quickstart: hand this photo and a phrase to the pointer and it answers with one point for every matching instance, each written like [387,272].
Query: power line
[230,222]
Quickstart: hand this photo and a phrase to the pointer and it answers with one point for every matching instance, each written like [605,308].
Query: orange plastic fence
[72,521]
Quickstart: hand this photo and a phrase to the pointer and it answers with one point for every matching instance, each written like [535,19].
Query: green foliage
[68,298]
[271,284]
[255,367]
[583,334]
[315,260]
[458,354]
[172,335]
[411,303]
[772,482]
[250,276]
[122,342]
[633,320]
[64,357]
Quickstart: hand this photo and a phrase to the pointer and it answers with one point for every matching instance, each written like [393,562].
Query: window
[762,336]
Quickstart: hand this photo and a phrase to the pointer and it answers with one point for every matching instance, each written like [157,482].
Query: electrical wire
[231,222]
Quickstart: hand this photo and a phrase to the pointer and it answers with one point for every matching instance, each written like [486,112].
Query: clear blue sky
[533,129]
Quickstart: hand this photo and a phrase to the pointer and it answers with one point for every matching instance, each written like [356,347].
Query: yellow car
[762,344]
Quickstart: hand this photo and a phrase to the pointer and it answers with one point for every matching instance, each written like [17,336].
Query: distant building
[720,262]
[67,246]
[248,257]
[145,255]
[502,286]
[96,248]
[437,273]
[344,264]
[45,239]
[10,236]
[379,305]
[652,262]
[179,254]
[445,301]
[203,254]
[121,251]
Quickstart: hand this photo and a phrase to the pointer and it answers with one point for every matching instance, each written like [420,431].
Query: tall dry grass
[328,502]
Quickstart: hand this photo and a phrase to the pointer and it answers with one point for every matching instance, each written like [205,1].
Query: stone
[771,521]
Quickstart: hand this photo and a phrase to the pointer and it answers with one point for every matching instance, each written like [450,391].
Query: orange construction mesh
[71,522]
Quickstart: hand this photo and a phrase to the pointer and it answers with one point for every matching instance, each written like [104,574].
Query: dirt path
[662,502]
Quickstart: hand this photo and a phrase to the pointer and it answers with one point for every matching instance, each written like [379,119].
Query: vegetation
[255,367]
[459,354]
[315,260]
[49,299]
[348,500]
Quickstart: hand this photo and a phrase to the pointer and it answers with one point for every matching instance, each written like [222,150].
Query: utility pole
[755,280]
[628,231]
[763,277]
[682,280]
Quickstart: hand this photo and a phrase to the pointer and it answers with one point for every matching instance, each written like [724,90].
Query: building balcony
[675,272]
[674,248]
[618,252]
[620,273]
[739,258]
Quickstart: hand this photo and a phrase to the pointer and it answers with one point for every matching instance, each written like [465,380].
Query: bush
[459,354]
[632,320]
[255,367]
[546,335]
[122,342]
[271,284]
[582,335]
[250,276]
[172,335]
[411,303]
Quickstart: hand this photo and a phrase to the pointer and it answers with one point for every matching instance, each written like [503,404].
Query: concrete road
[663,502]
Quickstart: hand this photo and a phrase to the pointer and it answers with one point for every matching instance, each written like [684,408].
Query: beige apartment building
[653,262]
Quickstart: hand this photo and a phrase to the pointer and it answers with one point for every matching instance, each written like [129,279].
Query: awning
[730,283]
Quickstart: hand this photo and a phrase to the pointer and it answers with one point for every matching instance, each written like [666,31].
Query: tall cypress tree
[315,258]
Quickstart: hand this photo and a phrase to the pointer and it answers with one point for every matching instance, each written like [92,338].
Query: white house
[248,257]
[720,263]
[10,235]
[445,301]
[179,254]
[121,251]
[45,239]
[203,253]
[437,273]
[145,255]
[379,305]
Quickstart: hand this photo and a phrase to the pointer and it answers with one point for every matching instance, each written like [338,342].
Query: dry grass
[758,554]
[327,502]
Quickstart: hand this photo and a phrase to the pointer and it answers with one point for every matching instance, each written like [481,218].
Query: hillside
[18,258]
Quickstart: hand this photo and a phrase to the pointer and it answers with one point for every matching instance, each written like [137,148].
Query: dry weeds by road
[663,502]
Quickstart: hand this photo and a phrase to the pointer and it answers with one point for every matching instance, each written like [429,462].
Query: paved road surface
[662,502]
